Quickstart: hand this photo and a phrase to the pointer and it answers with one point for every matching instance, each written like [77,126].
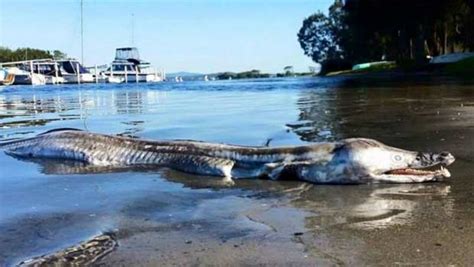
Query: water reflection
[373,207]
[81,102]
[317,120]
[419,118]
[70,167]
[25,112]
[134,128]
[397,205]
[130,102]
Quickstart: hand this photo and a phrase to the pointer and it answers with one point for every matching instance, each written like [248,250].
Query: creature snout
[446,158]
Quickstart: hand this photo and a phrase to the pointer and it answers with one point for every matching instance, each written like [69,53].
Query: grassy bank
[370,69]
[463,69]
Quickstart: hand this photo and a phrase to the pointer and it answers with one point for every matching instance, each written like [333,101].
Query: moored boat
[16,76]
[73,72]
[128,66]
[31,72]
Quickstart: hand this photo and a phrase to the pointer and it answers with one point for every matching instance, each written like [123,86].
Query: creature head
[359,160]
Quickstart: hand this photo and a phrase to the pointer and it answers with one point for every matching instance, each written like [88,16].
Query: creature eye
[397,158]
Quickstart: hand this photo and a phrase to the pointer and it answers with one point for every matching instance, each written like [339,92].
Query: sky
[203,36]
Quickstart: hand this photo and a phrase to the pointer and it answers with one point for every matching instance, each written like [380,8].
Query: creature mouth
[440,171]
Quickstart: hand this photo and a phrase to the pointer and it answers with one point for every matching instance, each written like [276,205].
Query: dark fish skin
[188,156]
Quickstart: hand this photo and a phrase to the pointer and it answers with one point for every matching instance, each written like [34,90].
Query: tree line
[7,54]
[242,75]
[356,31]
[288,71]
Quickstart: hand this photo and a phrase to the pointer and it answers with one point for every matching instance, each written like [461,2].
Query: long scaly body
[189,156]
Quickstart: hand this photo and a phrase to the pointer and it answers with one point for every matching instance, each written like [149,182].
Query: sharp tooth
[445,172]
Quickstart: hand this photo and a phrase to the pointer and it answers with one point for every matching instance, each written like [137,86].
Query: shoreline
[461,70]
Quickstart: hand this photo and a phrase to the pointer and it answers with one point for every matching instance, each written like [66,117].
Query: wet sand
[168,218]
[396,225]
[307,225]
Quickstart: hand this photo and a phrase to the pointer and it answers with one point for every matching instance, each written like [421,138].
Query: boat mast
[82,32]
[133,29]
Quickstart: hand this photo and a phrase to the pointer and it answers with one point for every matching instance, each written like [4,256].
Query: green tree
[59,55]
[370,30]
[288,70]
[30,53]
[408,30]
[7,54]
[318,38]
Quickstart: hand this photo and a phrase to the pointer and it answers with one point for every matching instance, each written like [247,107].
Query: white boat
[54,80]
[3,75]
[16,76]
[33,72]
[49,69]
[128,66]
[114,79]
[73,72]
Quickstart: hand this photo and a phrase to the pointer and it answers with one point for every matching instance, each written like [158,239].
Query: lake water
[167,217]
